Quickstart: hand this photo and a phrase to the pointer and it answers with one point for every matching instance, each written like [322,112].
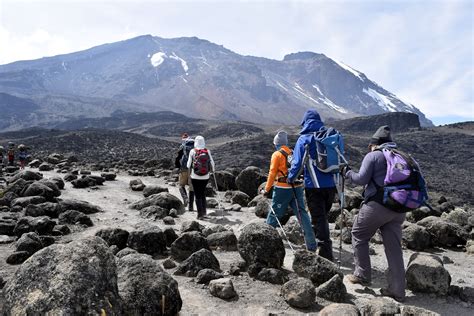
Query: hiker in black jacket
[187,144]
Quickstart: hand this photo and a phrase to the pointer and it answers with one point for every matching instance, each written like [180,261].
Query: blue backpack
[187,146]
[330,150]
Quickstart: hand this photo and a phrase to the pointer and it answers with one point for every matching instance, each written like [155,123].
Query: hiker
[319,192]
[285,194]
[201,164]
[11,154]
[2,152]
[374,216]
[187,144]
[22,155]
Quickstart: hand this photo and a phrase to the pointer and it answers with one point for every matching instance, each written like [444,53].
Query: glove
[265,193]
[343,169]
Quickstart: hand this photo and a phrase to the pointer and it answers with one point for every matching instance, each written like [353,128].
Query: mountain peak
[302,55]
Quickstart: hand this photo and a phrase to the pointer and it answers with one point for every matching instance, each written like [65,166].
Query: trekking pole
[283,231]
[218,202]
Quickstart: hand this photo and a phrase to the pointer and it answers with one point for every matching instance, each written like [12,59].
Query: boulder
[29,242]
[187,244]
[137,185]
[201,259]
[41,189]
[51,209]
[416,237]
[114,236]
[50,183]
[45,167]
[84,182]
[444,233]
[35,163]
[293,231]
[261,243]
[168,264]
[272,275]
[457,216]
[407,310]
[26,175]
[352,199]
[249,180]
[74,217]
[153,189]
[163,199]
[223,240]
[340,309]
[191,226]
[78,278]
[145,288]
[154,212]
[170,236]
[125,252]
[333,290]
[206,275]
[81,206]
[299,292]
[240,198]
[420,213]
[18,257]
[25,201]
[168,220]
[377,306]
[213,229]
[426,273]
[43,225]
[316,268]
[150,240]
[222,288]
[108,176]
[262,208]
[225,181]
[70,177]
[58,182]
[15,188]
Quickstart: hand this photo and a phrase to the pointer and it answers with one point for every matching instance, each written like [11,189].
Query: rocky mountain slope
[197,78]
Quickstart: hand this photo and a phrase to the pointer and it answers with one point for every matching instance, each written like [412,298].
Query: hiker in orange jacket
[285,194]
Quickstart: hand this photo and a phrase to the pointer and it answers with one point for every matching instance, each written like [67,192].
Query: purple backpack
[404,187]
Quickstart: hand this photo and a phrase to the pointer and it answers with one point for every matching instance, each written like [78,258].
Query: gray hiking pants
[373,216]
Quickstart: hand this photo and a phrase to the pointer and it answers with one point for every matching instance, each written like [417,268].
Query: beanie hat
[280,139]
[381,136]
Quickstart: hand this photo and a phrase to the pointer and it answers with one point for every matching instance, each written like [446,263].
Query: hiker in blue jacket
[320,189]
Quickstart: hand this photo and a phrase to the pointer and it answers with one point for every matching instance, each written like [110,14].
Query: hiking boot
[386,292]
[357,280]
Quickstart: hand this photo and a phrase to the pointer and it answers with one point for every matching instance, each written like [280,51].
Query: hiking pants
[319,203]
[373,216]
[199,187]
[282,197]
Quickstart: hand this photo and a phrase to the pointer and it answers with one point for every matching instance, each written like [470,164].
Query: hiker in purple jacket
[373,216]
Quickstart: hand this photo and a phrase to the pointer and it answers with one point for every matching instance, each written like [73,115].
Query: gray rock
[444,233]
[45,167]
[225,181]
[114,236]
[164,200]
[85,281]
[299,292]
[339,310]
[29,242]
[223,240]
[293,231]
[262,208]
[70,177]
[353,199]
[191,226]
[249,180]
[168,220]
[272,275]
[41,189]
[407,310]
[75,217]
[201,259]
[153,189]
[137,185]
[145,288]
[332,290]
[125,252]
[170,236]
[206,275]
[150,240]
[457,216]
[316,268]
[154,212]
[43,225]
[416,237]
[108,176]
[377,306]
[29,200]
[187,244]
[261,243]
[18,257]
[426,273]
[240,198]
[34,211]
[51,209]
[81,206]
[213,229]
[222,288]
[168,263]
[257,199]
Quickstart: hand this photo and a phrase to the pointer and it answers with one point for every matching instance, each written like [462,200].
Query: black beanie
[381,136]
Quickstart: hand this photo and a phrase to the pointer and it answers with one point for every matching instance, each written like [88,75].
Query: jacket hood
[311,122]
[199,142]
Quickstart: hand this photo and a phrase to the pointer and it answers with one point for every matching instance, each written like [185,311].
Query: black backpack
[187,146]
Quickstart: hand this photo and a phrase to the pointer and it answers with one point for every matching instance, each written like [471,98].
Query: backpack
[289,159]
[187,146]
[330,150]
[404,186]
[201,162]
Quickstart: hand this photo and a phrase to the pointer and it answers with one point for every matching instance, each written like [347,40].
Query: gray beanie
[381,136]
[281,138]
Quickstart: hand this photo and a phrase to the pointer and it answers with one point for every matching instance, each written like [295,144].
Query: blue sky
[423,51]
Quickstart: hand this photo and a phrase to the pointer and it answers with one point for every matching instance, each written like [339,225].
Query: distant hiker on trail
[187,144]
[319,192]
[2,153]
[373,216]
[22,155]
[285,194]
[201,164]
[11,153]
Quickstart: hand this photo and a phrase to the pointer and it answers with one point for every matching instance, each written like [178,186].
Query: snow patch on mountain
[323,99]
[382,100]
[184,64]
[351,70]
[317,88]
[157,59]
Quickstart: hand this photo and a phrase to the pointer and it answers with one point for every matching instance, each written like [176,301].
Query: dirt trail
[254,297]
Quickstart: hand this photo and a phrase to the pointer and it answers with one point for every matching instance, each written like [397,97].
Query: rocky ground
[121,207]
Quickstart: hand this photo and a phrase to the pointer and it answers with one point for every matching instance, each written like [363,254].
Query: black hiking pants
[320,201]
[199,187]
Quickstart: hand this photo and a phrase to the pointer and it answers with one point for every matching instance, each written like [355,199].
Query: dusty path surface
[254,297]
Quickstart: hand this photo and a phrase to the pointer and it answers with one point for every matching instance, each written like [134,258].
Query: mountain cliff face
[199,79]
